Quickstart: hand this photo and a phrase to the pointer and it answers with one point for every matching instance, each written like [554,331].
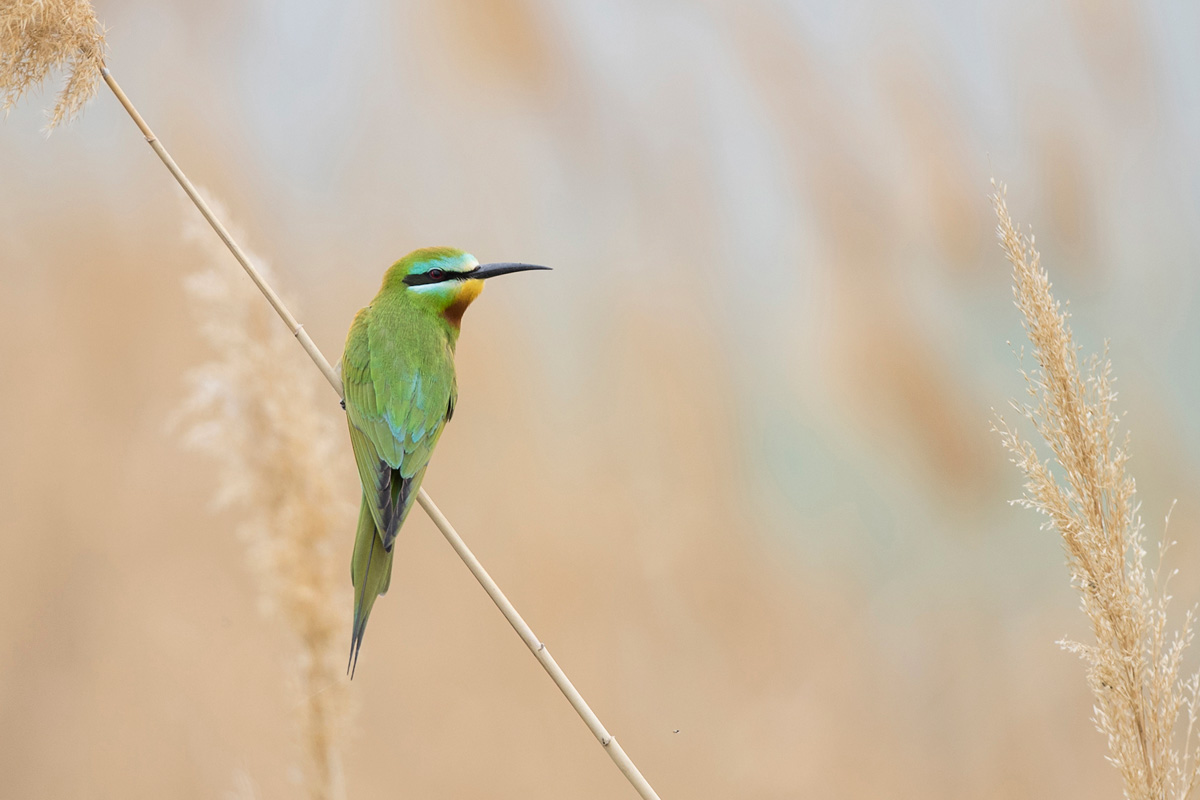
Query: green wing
[400,391]
[398,380]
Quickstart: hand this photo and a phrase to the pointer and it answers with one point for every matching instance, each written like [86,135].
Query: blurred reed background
[731,459]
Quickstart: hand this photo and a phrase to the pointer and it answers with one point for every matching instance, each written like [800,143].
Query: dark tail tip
[360,620]
[356,637]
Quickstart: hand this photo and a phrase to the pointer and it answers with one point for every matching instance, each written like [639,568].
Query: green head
[444,280]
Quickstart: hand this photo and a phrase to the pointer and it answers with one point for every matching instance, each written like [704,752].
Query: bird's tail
[371,572]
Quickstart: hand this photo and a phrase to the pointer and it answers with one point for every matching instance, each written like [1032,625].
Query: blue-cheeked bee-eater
[400,390]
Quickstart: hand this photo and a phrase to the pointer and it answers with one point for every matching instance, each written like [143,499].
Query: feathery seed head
[39,36]
[255,409]
[1135,666]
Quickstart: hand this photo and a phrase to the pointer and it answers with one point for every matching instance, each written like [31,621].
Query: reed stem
[539,650]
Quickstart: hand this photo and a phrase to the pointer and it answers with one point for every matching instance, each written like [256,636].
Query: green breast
[402,364]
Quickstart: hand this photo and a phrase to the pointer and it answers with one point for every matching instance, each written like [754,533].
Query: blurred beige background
[731,458]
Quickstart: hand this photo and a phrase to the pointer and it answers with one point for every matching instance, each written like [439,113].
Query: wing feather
[396,407]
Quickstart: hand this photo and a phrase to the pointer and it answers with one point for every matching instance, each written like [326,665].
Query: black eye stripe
[436,275]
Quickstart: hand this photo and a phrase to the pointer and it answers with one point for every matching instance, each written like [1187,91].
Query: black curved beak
[484,271]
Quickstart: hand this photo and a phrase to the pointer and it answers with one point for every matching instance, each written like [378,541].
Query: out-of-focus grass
[253,409]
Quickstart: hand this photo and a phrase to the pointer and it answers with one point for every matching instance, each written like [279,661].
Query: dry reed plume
[39,36]
[254,409]
[1145,705]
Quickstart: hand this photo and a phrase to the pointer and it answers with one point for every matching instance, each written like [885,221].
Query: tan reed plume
[254,410]
[67,15]
[1135,664]
[39,36]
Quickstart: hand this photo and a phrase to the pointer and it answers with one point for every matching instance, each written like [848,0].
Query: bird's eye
[436,274]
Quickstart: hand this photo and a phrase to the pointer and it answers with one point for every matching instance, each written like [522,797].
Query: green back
[398,371]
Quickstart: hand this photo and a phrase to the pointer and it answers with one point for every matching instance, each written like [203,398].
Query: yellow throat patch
[467,292]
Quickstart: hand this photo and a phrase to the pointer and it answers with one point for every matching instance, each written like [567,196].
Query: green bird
[400,390]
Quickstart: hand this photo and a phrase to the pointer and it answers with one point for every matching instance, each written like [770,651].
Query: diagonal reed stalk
[39,35]
[535,645]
